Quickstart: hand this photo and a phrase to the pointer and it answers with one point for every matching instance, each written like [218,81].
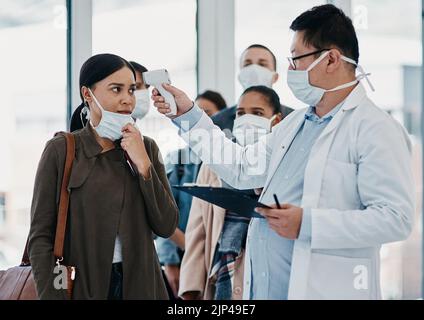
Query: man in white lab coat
[341,169]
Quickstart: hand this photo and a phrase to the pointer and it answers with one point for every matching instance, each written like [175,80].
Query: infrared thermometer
[155,78]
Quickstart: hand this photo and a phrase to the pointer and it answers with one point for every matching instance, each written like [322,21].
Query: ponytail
[78,119]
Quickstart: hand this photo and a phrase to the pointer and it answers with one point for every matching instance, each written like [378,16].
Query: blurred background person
[211,102]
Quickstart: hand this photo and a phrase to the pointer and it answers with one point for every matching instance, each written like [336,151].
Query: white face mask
[142,104]
[298,81]
[255,75]
[249,128]
[111,123]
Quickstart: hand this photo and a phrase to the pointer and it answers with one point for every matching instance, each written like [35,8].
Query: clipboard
[234,200]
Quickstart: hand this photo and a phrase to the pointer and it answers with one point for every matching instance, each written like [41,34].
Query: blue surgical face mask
[298,81]
[111,123]
[142,104]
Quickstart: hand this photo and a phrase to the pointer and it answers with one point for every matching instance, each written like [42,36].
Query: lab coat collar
[355,98]
[351,102]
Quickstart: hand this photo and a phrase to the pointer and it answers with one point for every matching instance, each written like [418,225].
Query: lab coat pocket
[340,176]
[339,278]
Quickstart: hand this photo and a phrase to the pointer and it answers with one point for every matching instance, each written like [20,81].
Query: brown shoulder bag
[17,283]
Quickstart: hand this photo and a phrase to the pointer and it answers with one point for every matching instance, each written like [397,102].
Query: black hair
[270,96]
[260,46]
[214,97]
[326,27]
[78,119]
[95,69]
[139,68]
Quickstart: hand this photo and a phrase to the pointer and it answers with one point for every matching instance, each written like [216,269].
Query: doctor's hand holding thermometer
[287,219]
[183,102]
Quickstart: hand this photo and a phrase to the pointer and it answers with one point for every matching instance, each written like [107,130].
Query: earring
[86,112]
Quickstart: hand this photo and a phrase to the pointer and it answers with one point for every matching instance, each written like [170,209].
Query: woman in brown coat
[119,197]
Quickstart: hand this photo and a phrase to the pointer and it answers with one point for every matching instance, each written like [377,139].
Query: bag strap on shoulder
[63,202]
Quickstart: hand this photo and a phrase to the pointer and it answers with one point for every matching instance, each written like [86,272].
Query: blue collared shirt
[271,254]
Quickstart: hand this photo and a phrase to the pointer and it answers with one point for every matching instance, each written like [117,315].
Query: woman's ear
[277,120]
[86,94]
[275,77]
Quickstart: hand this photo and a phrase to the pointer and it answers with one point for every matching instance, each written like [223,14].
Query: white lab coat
[358,184]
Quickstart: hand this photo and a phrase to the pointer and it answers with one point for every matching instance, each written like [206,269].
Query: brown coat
[204,228]
[106,199]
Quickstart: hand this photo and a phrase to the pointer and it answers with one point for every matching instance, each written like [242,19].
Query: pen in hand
[277,202]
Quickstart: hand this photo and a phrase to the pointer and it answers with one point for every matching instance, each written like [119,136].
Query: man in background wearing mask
[341,170]
[258,67]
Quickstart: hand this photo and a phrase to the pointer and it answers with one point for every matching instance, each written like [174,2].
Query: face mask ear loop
[315,63]
[96,101]
[365,76]
[81,117]
[98,105]
[362,73]
[271,121]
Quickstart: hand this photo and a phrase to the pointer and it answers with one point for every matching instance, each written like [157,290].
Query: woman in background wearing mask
[119,196]
[212,267]
[142,95]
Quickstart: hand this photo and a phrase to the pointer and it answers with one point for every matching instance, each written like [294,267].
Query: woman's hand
[258,191]
[172,273]
[183,102]
[178,238]
[191,295]
[132,142]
